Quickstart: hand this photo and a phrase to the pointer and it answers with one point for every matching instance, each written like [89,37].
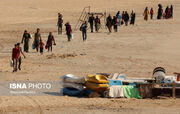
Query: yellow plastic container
[96,79]
[97,87]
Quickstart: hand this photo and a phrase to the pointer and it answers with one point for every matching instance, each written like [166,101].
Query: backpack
[80,28]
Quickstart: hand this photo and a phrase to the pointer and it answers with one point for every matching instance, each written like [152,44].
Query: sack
[117,20]
[73,85]
[122,22]
[46,47]
[73,79]
[33,46]
[11,63]
[72,36]
[72,92]
[80,28]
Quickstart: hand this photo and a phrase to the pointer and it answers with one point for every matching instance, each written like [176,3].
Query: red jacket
[16,53]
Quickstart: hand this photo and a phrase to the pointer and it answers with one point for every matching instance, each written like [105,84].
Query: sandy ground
[134,51]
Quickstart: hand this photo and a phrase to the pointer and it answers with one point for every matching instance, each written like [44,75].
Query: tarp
[127,91]
[131,92]
[116,91]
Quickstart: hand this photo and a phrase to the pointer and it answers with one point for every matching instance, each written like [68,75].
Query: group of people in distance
[94,22]
[115,21]
[67,27]
[38,44]
[168,13]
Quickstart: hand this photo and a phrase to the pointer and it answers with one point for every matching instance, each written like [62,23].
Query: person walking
[15,57]
[41,46]
[151,13]
[126,18]
[25,40]
[109,23]
[123,15]
[123,18]
[20,59]
[68,31]
[97,23]
[160,11]
[60,23]
[133,16]
[115,23]
[91,22]
[50,41]
[118,15]
[37,38]
[83,28]
[171,9]
[146,14]
[167,13]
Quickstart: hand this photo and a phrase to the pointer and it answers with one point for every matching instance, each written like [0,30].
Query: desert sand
[134,51]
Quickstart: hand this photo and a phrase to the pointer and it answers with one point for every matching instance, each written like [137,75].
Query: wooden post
[173,90]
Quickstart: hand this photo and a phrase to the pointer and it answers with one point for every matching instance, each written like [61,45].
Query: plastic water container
[115,82]
[122,77]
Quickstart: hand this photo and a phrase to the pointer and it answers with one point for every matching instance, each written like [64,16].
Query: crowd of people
[94,22]
[112,22]
[167,14]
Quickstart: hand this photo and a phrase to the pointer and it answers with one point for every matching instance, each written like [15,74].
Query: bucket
[178,76]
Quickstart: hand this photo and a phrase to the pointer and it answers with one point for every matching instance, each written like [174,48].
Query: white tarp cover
[116,91]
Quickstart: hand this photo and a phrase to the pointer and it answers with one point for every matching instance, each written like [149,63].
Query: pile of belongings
[73,85]
[98,85]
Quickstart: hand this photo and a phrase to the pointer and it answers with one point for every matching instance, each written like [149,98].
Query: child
[152,13]
[41,46]
[15,56]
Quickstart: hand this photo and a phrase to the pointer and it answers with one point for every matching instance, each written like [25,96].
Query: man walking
[91,21]
[126,18]
[60,23]
[83,28]
[115,23]
[68,31]
[15,57]
[97,23]
[37,38]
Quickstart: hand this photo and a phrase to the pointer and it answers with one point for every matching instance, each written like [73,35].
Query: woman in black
[133,16]
[126,18]
[109,23]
